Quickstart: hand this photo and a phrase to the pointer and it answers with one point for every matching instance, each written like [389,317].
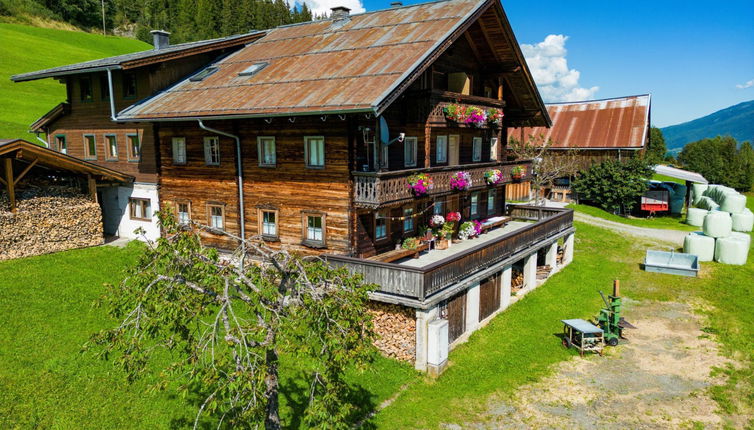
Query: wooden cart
[582,335]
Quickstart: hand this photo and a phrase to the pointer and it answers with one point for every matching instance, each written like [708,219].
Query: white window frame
[493,148]
[310,237]
[61,138]
[213,218]
[180,217]
[111,152]
[264,225]
[476,149]
[179,150]
[212,150]
[308,141]
[441,156]
[266,158]
[410,145]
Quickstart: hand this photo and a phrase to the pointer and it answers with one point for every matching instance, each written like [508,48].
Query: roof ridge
[598,100]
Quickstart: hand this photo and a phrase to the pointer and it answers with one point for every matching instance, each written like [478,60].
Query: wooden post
[427,144]
[10,184]
[616,288]
[92,187]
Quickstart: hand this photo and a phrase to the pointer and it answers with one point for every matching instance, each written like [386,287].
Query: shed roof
[28,152]
[617,123]
[137,59]
[330,66]
[675,172]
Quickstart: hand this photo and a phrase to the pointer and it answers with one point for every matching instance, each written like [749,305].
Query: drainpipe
[44,142]
[239,175]
[112,99]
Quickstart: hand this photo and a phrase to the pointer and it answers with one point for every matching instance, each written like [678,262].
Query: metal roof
[621,122]
[141,58]
[686,175]
[327,66]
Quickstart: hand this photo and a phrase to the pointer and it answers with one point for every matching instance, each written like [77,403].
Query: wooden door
[456,314]
[454,143]
[489,296]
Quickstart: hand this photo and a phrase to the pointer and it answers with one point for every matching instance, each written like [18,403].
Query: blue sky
[690,55]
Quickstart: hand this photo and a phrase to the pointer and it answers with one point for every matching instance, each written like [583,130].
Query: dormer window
[203,74]
[253,69]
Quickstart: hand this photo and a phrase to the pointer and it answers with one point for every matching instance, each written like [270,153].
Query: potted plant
[460,181]
[466,230]
[454,113]
[495,117]
[420,184]
[493,176]
[410,243]
[475,116]
[518,172]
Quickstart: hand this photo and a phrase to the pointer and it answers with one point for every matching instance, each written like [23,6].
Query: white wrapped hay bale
[698,191]
[706,202]
[742,237]
[731,250]
[743,221]
[733,203]
[698,244]
[717,224]
[695,216]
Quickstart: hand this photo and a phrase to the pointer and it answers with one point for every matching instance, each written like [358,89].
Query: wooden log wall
[518,192]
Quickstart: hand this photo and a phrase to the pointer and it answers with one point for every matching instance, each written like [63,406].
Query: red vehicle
[655,201]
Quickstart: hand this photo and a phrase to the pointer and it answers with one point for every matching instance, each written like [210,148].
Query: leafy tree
[615,186]
[721,161]
[656,150]
[226,322]
[548,164]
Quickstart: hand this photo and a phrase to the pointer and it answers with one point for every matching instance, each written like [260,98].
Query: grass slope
[26,49]
[668,221]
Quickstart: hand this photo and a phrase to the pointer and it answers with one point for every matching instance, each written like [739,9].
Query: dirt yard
[657,379]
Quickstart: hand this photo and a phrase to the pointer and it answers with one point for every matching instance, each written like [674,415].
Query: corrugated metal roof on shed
[596,124]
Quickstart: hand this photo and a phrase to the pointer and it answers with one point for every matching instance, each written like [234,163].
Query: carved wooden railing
[372,189]
[428,106]
[420,283]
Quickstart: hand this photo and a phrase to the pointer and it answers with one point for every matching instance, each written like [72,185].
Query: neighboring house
[306,137]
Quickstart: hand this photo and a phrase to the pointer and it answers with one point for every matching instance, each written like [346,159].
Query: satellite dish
[384,131]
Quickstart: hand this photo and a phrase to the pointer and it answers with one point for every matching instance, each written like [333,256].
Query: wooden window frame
[58,138]
[442,205]
[208,152]
[387,227]
[87,153]
[403,223]
[476,149]
[173,142]
[108,149]
[178,204]
[491,197]
[437,149]
[261,152]
[493,148]
[406,151]
[123,84]
[220,205]
[311,243]
[83,99]
[306,152]
[129,148]
[132,212]
[260,223]
[472,213]
[384,156]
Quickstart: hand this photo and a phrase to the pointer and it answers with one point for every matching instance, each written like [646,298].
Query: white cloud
[320,7]
[548,64]
[746,85]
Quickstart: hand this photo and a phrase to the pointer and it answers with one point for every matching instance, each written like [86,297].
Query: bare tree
[226,324]
[548,164]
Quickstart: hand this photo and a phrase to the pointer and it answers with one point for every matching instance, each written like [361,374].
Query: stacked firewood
[48,219]
[543,271]
[396,330]
[517,280]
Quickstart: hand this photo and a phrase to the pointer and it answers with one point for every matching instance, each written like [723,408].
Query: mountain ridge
[736,121]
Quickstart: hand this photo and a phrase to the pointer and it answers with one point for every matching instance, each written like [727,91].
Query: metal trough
[674,263]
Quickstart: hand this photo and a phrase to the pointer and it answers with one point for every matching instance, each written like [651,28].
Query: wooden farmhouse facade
[308,136]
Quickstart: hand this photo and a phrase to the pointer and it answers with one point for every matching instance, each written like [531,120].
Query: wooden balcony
[373,189]
[428,106]
[416,282]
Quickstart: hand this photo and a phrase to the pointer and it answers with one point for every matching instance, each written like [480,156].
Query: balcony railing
[372,189]
[419,283]
[428,106]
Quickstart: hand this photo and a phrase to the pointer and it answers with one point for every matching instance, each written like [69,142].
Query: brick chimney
[340,12]
[160,39]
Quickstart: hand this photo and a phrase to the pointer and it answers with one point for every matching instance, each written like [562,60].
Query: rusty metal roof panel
[321,66]
[596,124]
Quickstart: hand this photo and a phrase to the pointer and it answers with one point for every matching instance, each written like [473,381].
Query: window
[253,69]
[408,219]
[474,204]
[90,147]
[129,85]
[85,87]
[476,149]
[212,151]
[380,226]
[140,209]
[216,215]
[314,151]
[439,208]
[385,159]
[269,223]
[266,150]
[314,229]
[179,150]
[111,144]
[184,212]
[442,149]
[134,147]
[104,88]
[409,152]
[203,74]
[61,143]
[490,203]
[493,148]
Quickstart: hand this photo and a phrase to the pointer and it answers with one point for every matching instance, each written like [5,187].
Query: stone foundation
[395,326]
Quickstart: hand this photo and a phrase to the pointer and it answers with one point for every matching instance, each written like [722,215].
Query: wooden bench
[498,222]
[397,254]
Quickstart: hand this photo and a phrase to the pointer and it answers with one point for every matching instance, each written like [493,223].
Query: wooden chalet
[307,136]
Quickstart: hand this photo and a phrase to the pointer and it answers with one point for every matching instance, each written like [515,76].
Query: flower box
[420,184]
[460,181]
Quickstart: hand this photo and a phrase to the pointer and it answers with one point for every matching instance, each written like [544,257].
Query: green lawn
[26,49]
[663,178]
[667,222]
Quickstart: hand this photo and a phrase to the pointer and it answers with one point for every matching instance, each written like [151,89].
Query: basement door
[489,296]
[454,310]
